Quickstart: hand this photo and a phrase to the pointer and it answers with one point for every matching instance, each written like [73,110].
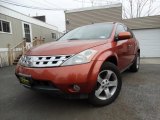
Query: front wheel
[108,85]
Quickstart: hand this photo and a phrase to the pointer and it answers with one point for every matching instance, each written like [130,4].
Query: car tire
[135,66]
[108,85]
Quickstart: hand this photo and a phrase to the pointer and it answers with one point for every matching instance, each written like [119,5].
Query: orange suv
[85,63]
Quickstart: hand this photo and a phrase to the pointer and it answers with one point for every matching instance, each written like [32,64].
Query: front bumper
[62,78]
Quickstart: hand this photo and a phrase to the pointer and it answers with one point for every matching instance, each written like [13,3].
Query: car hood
[64,47]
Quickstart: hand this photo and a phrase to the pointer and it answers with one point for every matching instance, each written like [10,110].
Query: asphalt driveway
[138,100]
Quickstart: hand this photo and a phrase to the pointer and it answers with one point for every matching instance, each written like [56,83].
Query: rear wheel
[136,63]
[108,85]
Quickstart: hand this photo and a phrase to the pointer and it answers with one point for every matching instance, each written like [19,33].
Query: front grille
[43,85]
[47,61]
[44,61]
[40,83]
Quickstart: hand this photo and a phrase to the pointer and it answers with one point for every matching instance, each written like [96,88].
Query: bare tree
[138,8]
[92,2]
[130,8]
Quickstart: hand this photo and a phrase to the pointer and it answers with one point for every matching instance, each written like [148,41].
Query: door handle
[129,46]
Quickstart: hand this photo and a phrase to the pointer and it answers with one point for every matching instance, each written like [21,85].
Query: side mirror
[124,35]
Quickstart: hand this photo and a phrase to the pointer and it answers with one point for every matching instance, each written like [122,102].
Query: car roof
[104,23]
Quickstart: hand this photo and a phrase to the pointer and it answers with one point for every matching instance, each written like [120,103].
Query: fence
[4,58]
[8,56]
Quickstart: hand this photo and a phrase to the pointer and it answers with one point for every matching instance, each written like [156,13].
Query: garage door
[149,40]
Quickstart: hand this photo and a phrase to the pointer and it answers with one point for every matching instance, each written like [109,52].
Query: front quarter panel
[105,51]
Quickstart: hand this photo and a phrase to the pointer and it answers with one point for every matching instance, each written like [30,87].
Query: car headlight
[26,61]
[80,58]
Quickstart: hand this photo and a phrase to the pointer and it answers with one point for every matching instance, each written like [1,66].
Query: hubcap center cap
[105,83]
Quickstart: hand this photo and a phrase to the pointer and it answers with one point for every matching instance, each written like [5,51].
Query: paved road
[139,100]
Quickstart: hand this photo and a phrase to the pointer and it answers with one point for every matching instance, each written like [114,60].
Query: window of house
[54,36]
[5,26]
[27,32]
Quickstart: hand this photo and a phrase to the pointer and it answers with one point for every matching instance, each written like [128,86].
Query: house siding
[80,18]
[148,22]
[15,37]
[39,31]
[17,32]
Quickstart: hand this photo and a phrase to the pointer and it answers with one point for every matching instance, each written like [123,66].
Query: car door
[122,48]
[131,46]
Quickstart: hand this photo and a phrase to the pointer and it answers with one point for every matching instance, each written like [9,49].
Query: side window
[129,30]
[119,29]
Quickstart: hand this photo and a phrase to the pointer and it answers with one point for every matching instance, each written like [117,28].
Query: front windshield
[89,32]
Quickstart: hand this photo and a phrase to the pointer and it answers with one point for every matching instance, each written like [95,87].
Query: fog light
[76,88]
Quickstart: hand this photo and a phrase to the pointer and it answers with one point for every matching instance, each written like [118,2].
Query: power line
[31,7]
[98,1]
[45,3]
[38,2]
[50,3]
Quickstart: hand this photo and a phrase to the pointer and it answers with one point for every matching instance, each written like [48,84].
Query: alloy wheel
[138,61]
[106,84]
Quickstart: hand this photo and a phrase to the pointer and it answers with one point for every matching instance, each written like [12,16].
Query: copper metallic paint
[84,75]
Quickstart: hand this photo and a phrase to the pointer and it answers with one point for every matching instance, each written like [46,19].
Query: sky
[57,17]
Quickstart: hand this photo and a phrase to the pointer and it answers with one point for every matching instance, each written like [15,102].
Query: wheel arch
[108,56]
[112,59]
[138,51]
[101,60]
